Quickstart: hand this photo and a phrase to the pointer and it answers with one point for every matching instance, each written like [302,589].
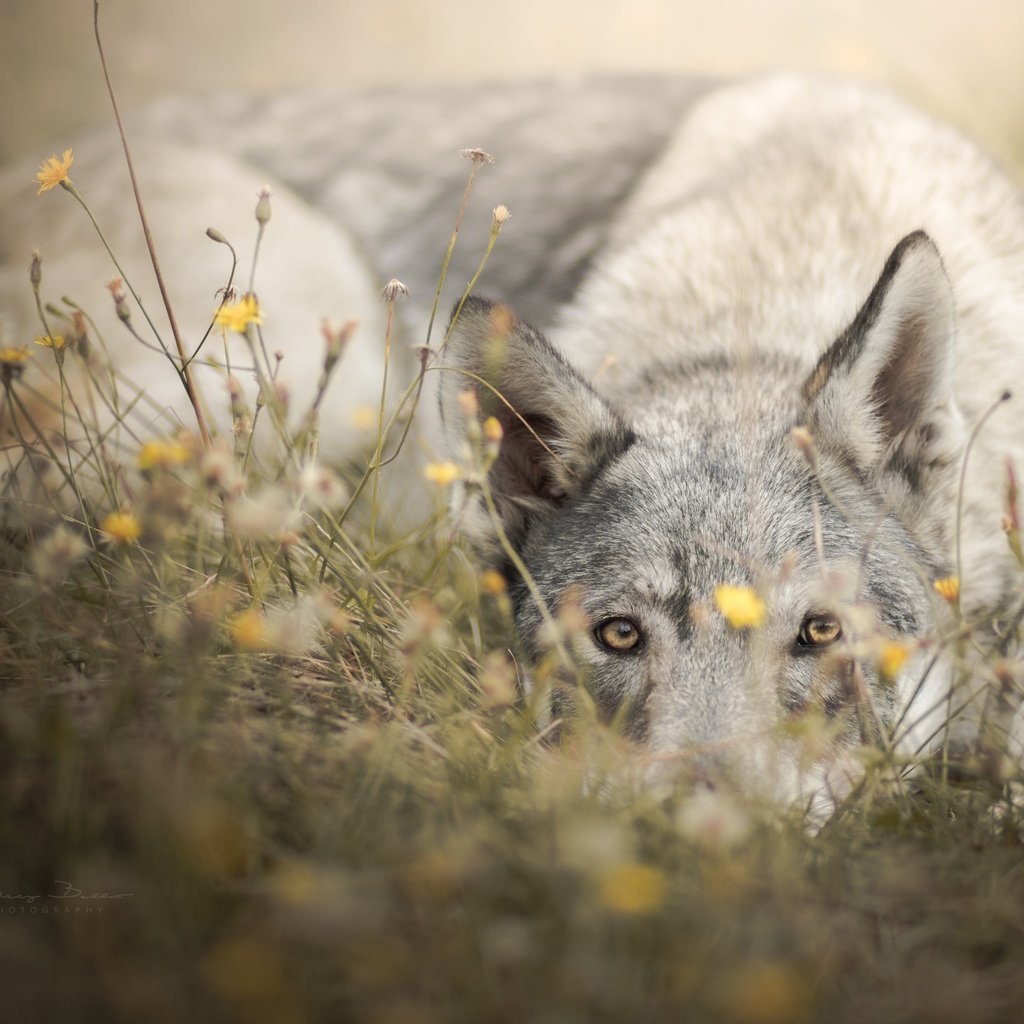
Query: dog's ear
[556,431]
[883,396]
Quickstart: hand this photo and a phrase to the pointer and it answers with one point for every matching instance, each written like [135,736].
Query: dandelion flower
[468,403]
[54,172]
[237,316]
[248,630]
[162,454]
[363,417]
[54,341]
[492,429]
[741,606]
[769,993]
[892,658]
[441,473]
[633,889]
[12,360]
[948,588]
[493,582]
[122,527]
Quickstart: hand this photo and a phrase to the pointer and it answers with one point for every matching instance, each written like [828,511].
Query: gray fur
[745,291]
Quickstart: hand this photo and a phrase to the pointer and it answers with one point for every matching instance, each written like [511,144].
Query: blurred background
[960,58]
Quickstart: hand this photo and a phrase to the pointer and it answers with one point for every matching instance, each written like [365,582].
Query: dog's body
[743,275]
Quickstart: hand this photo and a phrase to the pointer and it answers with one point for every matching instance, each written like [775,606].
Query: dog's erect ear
[883,393]
[556,431]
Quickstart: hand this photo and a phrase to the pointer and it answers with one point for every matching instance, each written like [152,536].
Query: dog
[769,315]
[764,387]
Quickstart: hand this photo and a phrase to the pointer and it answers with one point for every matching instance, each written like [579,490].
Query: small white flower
[218,469]
[271,513]
[56,553]
[321,489]
[296,629]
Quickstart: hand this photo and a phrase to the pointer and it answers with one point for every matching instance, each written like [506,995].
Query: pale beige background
[963,58]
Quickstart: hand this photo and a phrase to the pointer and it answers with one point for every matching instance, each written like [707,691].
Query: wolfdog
[775,311]
[766,382]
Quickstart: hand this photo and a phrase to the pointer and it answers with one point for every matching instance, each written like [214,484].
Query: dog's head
[744,549]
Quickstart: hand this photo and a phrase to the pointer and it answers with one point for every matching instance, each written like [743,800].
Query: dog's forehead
[729,474]
[709,502]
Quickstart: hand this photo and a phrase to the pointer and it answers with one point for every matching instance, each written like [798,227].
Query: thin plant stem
[477,163]
[163,349]
[425,353]
[186,371]
[380,419]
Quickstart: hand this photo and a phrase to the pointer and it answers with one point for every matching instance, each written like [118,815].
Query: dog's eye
[819,631]
[618,635]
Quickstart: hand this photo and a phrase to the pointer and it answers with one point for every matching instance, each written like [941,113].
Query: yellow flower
[162,454]
[741,606]
[363,417]
[248,630]
[54,172]
[122,527]
[236,316]
[51,341]
[441,473]
[768,992]
[632,889]
[948,588]
[12,363]
[13,356]
[892,658]
[493,582]
[492,429]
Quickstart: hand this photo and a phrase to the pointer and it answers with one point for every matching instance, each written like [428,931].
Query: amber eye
[618,635]
[819,631]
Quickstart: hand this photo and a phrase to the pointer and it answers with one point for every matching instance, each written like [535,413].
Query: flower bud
[337,340]
[116,289]
[263,206]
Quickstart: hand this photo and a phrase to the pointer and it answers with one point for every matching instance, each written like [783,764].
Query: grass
[273,765]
